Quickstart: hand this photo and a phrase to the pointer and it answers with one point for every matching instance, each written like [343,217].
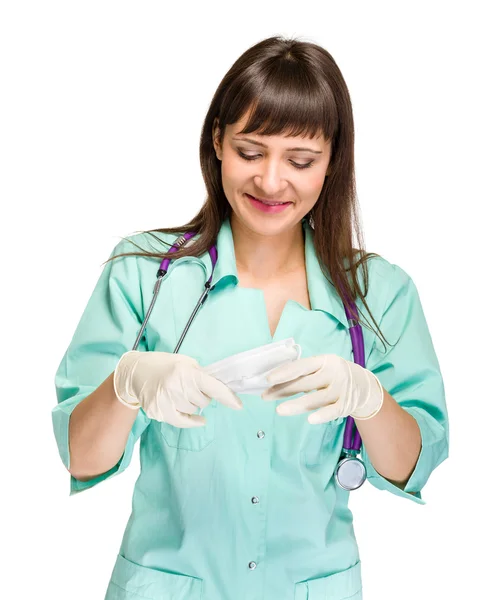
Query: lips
[268,202]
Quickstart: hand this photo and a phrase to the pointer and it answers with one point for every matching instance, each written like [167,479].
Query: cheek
[311,187]
[317,181]
[234,179]
[233,172]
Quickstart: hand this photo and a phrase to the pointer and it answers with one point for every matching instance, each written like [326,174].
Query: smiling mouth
[267,202]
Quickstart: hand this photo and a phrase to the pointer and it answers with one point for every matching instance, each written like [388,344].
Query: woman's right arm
[99,427]
[108,327]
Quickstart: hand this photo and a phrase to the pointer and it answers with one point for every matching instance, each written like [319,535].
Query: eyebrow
[252,141]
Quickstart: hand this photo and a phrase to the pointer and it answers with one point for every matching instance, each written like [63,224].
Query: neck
[264,257]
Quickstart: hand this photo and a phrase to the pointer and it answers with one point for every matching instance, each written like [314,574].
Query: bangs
[287,100]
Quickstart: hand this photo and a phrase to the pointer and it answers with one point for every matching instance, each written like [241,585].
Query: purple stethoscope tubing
[351,439]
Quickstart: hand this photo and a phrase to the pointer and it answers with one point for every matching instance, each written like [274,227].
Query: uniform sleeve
[410,372]
[108,328]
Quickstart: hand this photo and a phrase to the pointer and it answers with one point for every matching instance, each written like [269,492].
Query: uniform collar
[323,296]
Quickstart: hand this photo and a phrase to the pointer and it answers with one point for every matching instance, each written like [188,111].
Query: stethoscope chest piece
[350,473]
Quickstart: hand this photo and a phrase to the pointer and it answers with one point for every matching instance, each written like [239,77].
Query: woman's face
[274,168]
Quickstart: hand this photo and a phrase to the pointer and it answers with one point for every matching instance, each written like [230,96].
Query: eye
[296,165]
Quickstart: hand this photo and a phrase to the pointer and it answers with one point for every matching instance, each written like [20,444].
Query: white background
[101,111]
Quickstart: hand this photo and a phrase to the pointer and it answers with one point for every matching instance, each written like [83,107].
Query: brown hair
[294,87]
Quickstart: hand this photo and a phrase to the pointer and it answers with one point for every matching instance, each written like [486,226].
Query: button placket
[260,434]
[256,499]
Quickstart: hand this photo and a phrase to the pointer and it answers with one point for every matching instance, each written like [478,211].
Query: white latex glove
[343,388]
[169,387]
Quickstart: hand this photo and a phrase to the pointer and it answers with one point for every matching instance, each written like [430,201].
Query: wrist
[120,386]
[374,401]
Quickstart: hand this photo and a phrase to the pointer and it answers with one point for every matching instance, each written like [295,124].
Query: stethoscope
[350,472]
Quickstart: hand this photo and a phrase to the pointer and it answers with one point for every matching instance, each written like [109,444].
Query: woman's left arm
[409,437]
[393,441]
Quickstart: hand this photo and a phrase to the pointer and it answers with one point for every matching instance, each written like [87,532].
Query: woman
[241,502]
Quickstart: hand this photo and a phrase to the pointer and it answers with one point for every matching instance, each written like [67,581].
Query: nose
[269,179]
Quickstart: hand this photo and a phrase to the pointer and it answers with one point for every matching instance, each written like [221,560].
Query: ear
[215,132]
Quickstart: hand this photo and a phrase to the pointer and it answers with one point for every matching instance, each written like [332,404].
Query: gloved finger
[168,412]
[304,404]
[191,402]
[334,378]
[297,368]
[183,420]
[325,414]
[307,383]
[216,389]
[181,389]
[328,407]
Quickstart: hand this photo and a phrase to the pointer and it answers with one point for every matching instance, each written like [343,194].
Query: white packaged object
[245,372]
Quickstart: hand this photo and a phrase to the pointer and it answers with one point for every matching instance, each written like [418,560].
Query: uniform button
[252,565]
[255,500]
[261,434]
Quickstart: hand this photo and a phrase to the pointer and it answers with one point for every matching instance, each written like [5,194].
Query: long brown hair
[293,87]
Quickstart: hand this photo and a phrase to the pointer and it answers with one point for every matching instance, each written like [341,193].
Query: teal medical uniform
[245,507]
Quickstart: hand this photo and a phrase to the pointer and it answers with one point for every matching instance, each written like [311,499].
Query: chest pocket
[192,438]
[320,440]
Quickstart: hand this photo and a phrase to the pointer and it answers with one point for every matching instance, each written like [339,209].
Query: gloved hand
[343,388]
[169,387]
